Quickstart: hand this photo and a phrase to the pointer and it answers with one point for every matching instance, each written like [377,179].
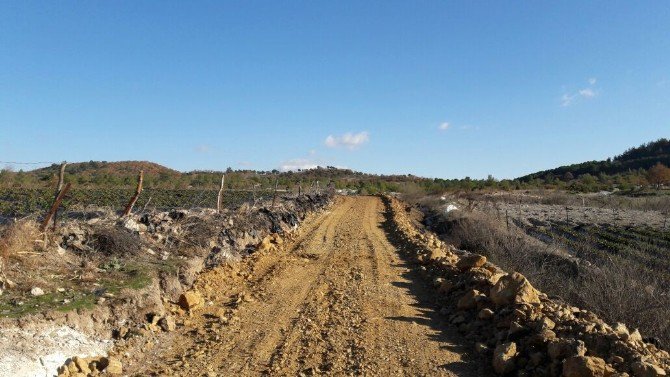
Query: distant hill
[642,157]
[118,168]
[123,174]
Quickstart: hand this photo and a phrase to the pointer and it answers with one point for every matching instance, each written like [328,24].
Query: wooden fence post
[54,207]
[300,188]
[274,196]
[220,196]
[61,178]
[132,201]
[59,188]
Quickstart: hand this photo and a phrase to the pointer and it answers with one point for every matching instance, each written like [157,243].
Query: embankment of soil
[520,330]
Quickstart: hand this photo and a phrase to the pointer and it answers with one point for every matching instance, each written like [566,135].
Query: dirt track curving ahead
[338,300]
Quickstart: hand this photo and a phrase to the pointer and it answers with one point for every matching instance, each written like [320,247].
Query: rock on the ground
[586,366]
[114,366]
[190,300]
[644,369]
[37,291]
[503,358]
[167,323]
[514,288]
[471,261]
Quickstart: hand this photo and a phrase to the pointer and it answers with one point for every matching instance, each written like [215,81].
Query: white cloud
[298,163]
[588,93]
[444,126]
[349,140]
[568,99]
[203,148]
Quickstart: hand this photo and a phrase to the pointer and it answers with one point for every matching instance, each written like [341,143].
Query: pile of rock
[90,366]
[519,329]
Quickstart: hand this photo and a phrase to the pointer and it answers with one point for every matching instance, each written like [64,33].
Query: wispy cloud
[444,126]
[298,164]
[349,140]
[589,92]
[203,149]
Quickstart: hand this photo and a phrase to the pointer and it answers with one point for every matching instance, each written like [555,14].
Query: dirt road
[338,300]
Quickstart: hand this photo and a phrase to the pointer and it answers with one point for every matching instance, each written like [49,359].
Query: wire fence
[21,202]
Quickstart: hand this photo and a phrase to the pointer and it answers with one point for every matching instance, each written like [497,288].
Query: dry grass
[16,240]
[615,289]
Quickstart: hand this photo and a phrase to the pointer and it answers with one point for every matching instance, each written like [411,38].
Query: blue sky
[439,89]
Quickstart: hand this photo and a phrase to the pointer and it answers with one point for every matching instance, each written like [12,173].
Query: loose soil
[338,299]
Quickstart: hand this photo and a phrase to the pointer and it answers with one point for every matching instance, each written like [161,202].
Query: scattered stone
[514,288]
[131,225]
[468,300]
[485,314]
[190,300]
[81,364]
[560,349]
[114,366]
[36,291]
[586,366]
[167,323]
[645,369]
[503,358]
[470,261]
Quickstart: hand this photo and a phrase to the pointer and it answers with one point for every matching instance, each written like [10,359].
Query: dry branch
[54,207]
[130,205]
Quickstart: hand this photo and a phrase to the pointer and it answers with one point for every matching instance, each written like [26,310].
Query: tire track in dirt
[338,301]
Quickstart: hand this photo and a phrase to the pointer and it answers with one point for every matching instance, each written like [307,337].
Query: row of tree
[656,176]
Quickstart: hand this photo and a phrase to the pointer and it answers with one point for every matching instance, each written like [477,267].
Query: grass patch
[129,276]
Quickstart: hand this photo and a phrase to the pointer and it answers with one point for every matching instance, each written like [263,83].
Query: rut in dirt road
[339,300]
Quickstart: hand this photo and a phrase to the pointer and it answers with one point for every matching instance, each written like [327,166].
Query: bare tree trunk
[132,201]
[54,207]
[220,196]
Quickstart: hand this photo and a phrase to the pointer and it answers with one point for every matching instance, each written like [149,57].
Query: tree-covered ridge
[631,171]
[631,161]
[104,167]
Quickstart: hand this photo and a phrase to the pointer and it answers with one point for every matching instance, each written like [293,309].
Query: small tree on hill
[658,175]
